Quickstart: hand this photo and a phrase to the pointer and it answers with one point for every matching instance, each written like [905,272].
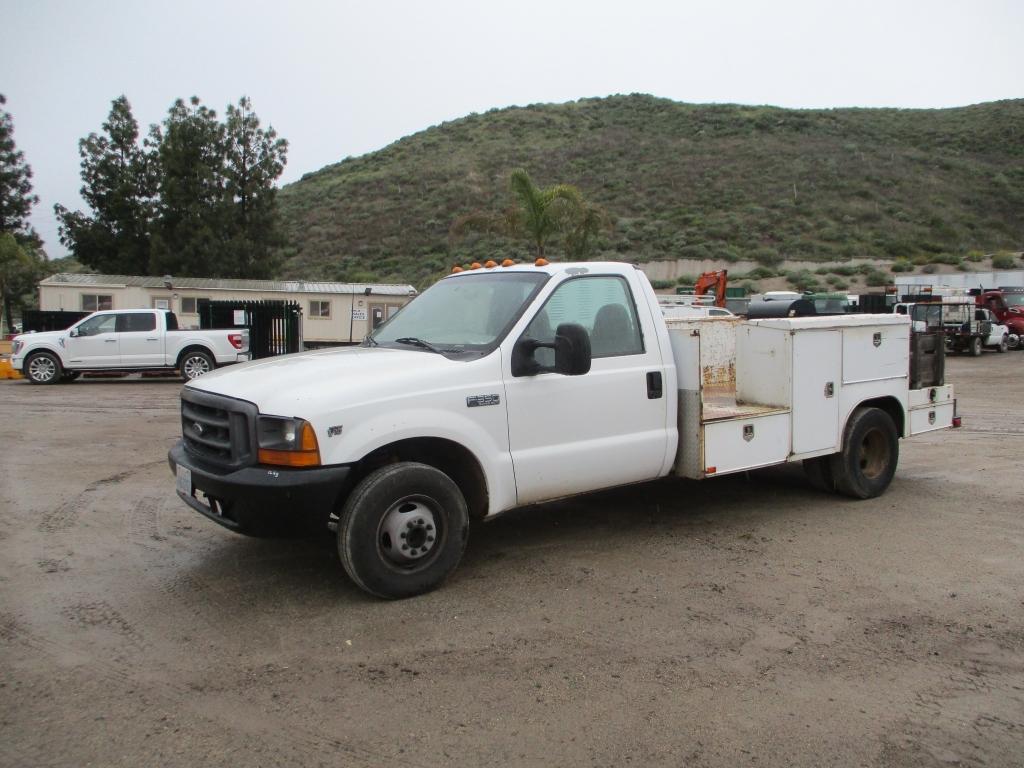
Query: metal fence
[275,327]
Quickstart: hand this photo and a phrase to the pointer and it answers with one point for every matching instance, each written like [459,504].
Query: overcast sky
[343,78]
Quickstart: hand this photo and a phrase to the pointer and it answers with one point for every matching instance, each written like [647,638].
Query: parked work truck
[509,385]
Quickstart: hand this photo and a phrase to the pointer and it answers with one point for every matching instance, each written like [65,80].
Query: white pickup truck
[126,341]
[517,384]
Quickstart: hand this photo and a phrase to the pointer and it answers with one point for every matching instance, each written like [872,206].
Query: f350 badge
[476,401]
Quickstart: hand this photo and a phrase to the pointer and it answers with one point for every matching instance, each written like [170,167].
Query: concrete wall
[335,328]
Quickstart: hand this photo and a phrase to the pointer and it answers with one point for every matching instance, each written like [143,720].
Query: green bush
[902,265]
[844,270]
[946,258]
[837,282]
[876,278]
[921,259]
[1003,260]
[975,256]
[929,269]
[662,285]
[686,280]
[767,257]
[761,273]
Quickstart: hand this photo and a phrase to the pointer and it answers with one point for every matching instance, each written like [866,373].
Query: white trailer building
[333,313]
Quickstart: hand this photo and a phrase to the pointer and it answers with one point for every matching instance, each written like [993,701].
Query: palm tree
[538,214]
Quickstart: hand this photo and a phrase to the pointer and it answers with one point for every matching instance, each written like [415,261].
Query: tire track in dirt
[66,515]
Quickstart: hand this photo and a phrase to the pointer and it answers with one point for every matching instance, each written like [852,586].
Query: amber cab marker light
[456,269]
[475,265]
[541,262]
[490,264]
[508,263]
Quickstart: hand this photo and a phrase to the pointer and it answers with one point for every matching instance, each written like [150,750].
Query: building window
[162,303]
[319,309]
[93,302]
[188,305]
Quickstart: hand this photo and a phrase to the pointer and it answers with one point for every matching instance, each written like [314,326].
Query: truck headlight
[286,442]
[16,347]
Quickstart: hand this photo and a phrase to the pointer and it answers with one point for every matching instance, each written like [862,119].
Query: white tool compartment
[762,392]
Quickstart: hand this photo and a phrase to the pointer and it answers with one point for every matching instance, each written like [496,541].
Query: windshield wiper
[369,341]
[413,341]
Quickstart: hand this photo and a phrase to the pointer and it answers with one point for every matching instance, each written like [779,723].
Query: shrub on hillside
[902,265]
[929,269]
[946,258]
[975,256]
[876,278]
[662,285]
[767,257]
[1003,260]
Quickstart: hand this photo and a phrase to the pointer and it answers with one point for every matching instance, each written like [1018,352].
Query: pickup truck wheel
[1003,344]
[43,368]
[403,530]
[975,346]
[867,463]
[194,364]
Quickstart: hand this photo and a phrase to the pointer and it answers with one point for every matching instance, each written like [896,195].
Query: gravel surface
[739,621]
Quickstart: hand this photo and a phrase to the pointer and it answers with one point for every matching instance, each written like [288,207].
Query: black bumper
[253,499]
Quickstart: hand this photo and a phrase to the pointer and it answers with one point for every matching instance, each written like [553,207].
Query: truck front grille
[217,428]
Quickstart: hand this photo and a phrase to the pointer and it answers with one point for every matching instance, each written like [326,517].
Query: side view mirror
[572,353]
[74,333]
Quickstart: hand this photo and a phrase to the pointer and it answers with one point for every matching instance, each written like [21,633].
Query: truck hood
[290,385]
[43,337]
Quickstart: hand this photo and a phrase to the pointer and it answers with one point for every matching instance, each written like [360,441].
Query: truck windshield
[465,315]
[1014,299]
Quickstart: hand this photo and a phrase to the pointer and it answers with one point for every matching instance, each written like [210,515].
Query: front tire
[975,346]
[43,368]
[403,530]
[1003,344]
[866,465]
[194,364]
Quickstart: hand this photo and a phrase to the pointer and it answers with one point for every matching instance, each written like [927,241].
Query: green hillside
[680,181]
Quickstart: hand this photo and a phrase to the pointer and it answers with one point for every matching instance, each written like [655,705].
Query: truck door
[140,342]
[607,427]
[95,344]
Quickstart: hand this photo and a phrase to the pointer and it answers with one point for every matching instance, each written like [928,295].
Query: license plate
[183,480]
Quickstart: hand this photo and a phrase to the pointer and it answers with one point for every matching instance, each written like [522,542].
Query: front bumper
[261,496]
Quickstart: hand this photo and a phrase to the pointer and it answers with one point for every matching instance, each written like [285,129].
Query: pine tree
[20,256]
[119,185]
[254,158]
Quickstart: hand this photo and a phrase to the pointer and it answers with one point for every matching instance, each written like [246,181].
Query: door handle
[654,385]
[110,341]
[153,339]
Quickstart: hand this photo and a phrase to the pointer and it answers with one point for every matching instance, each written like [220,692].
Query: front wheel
[975,346]
[1003,344]
[403,530]
[866,465]
[43,368]
[194,364]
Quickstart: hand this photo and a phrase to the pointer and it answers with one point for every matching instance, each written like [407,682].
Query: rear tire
[403,530]
[975,346]
[866,465]
[43,368]
[194,364]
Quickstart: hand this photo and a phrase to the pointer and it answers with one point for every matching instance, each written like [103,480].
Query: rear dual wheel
[866,464]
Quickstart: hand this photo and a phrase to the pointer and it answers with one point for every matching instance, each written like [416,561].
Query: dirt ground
[740,621]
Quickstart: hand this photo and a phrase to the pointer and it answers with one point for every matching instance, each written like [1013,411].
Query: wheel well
[891,406]
[194,348]
[451,458]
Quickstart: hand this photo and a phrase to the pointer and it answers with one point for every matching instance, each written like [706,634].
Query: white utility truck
[516,384]
[126,341]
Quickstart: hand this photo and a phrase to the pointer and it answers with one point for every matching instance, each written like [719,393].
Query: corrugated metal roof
[225,284]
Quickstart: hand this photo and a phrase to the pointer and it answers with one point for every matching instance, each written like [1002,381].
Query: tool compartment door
[817,376]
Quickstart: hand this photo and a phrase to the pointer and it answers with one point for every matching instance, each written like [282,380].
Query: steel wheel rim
[196,366]
[410,532]
[873,456]
[42,368]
